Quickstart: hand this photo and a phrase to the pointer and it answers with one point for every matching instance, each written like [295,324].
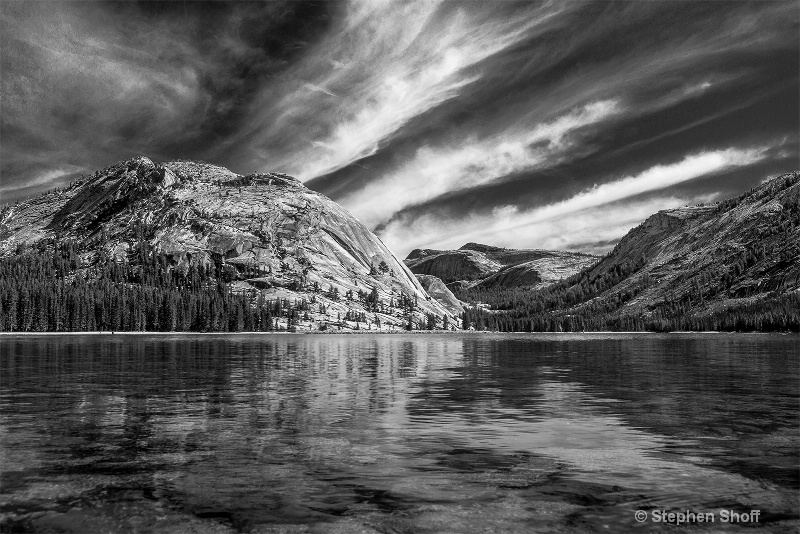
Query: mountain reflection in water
[395,433]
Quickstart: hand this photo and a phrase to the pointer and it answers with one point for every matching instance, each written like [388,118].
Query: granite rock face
[484,266]
[436,289]
[709,258]
[273,235]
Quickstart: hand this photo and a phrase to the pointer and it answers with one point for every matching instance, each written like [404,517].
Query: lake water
[399,433]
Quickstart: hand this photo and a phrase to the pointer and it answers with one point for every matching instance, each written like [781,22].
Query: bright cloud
[49,178]
[380,73]
[436,171]
[583,218]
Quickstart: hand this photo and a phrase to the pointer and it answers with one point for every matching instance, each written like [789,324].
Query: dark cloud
[434,122]
[85,84]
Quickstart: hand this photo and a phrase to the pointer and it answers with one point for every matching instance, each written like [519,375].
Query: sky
[522,124]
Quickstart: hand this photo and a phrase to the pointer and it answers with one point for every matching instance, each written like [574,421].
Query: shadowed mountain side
[451,265]
[477,265]
[540,272]
[265,235]
[711,257]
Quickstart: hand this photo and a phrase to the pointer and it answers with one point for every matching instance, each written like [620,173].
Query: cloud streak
[433,172]
[382,74]
[565,223]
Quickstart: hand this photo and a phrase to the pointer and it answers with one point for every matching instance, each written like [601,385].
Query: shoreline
[368,332]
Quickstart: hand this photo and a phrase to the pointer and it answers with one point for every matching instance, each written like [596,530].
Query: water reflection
[395,433]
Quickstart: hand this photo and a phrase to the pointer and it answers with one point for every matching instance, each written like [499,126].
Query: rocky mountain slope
[708,258]
[482,266]
[266,234]
[734,265]
[439,291]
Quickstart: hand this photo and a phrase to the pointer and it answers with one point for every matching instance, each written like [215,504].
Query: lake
[399,433]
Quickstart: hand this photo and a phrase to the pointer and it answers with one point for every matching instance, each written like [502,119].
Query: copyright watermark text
[687,516]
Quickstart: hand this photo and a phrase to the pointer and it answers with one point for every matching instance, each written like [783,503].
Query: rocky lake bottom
[399,433]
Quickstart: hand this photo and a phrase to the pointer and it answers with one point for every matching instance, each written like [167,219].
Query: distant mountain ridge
[265,236]
[478,265]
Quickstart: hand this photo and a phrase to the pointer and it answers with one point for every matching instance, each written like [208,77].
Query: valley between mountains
[189,246]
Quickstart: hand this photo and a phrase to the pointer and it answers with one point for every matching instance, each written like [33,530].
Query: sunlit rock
[477,265]
[273,236]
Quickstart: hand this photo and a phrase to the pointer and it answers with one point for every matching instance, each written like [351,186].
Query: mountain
[482,266]
[271,242]
[734,265]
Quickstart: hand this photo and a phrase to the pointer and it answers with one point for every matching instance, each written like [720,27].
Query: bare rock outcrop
[485,266]
[451,265]
[436,289]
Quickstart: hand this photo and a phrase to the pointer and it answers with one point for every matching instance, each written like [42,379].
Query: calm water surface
[397,433]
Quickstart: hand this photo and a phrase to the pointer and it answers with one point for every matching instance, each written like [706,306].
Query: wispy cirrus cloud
[598,214]
[378,74]
[591,102]
[51,178]
[432,172]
